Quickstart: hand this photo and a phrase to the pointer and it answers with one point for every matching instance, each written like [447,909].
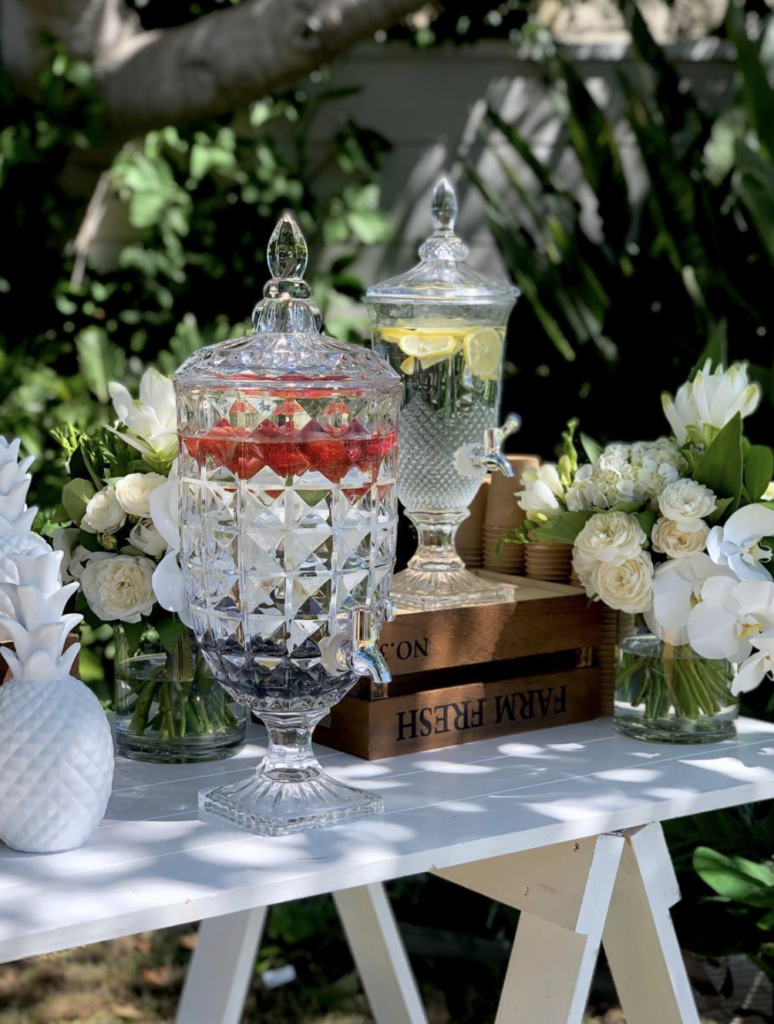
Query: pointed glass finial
[443,244]
[444,206]
[287,253]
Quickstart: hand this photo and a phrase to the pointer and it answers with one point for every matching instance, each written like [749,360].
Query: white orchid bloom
[543,490]
[677,587]
[759,665]
[151,419]
[738,543]
[168,584]
[706,404]
[730,616]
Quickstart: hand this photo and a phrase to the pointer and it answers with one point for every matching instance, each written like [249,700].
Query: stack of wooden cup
[552,562]
[502,517]
[615,626]
[470,539]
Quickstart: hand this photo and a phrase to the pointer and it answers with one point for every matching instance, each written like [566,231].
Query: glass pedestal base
[274,807]
[436,576]
[289,792]
[431,589]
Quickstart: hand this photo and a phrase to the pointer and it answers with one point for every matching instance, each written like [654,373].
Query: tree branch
[228,58]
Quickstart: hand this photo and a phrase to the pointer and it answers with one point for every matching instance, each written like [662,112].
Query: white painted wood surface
[221,968]
[379,954]
[153,864]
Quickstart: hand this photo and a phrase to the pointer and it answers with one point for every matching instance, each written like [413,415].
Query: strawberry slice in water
[325,452]
[277,448]
[365,450]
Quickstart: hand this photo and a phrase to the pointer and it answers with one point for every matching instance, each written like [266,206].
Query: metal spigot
[489,455]
[367,659]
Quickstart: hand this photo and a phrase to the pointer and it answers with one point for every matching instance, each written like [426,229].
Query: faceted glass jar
[288,462]
[442,327]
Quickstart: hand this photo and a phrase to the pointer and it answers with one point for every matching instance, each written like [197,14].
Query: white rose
[670,539]
[610,537]
[146,538]
[134,491]
[103,513]
[79,559]
[687,502]
[119,587]
[628,586]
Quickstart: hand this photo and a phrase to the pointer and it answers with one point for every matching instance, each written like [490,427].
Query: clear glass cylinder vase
[168,706]
[666,693]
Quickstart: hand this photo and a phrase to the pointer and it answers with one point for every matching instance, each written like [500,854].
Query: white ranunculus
[670,539]
[151,419]
[134,491]
[688,503]
[543,490]
[610,537]
[627,586]
[146,538]
[706,404]
[730,616]
[677,587]
[738,543]
[103,513]
[119,587]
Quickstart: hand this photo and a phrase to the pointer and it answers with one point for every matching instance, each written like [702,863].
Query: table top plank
[153,864]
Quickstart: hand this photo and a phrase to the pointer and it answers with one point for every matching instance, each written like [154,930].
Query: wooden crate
[472,673]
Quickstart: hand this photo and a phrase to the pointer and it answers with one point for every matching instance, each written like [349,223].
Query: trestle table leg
[379,955]
[563,893]
[640,941]
[221,968]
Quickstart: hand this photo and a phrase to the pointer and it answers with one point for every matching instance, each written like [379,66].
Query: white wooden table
[562,824]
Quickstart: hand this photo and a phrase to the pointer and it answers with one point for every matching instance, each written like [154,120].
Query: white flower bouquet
[680,531]
[121,545]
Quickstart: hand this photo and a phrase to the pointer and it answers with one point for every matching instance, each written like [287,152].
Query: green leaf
[564,528]
[133,632]
[170,630]
[735,878]
[720,467]
[723,505]
[99,360]
[647,520]
[592,449]
[758,470]
[75,497]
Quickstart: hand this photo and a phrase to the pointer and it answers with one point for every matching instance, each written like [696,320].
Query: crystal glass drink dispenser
[442,327]
[288,460]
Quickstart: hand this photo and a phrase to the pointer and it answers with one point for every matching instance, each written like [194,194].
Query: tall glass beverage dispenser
[288,504]
[442,327]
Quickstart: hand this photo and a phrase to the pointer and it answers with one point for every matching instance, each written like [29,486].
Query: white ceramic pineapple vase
[56,749]
[16,536]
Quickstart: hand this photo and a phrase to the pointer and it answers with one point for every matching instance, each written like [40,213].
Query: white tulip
[103,513]
[706,404]
[677,587]
[119,587]
[730,616]
[543,490]
[687,502]
[738,543]
[151,419]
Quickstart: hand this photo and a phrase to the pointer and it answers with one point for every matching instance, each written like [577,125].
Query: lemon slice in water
[483,349]
[429,350]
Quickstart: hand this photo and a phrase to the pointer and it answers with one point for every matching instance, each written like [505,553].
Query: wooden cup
[551,562]
[502,509]
[468,538]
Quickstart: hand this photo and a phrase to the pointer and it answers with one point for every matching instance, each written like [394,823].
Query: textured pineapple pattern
[56,750]
[16,537]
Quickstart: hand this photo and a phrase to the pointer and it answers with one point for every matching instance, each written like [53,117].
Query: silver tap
[367,659]
[489,454]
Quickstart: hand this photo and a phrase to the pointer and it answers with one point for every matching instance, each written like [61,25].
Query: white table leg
[221,968]
[640,941]
[379,955]
[563,893]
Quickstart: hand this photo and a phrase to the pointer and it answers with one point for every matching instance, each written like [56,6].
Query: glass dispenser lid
[287,349]
[442,274]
